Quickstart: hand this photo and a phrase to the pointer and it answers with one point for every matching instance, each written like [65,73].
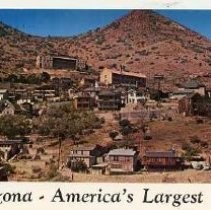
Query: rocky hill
[19,50]
[142,41]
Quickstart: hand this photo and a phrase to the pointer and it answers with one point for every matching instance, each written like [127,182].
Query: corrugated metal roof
[133,74]
[158,154]
[10,142]
[122,152]
[84,148]
[109,92]
[192,84]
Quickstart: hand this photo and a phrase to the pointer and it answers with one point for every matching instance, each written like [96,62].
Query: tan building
[122,160]
[113,76]
[195,86]
[86,154]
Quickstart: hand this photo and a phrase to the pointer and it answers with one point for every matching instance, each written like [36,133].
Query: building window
[127,159]
[116,158]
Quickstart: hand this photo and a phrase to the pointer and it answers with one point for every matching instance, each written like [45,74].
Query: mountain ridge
[142,41]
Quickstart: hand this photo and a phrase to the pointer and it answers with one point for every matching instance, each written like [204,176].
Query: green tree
[45,77]
[13,125]
[65,121]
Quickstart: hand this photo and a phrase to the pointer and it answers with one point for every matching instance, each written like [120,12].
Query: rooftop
[170,153]
[109,92]
[193,84]
[5,104]
[133,74]
[92,89]
[182,92]
[84,148]
[122,152]
[82,95]
[3,90]
[64,57]
[10,142]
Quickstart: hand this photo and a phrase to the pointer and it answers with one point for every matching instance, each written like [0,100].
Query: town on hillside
[62,123]
[127,102]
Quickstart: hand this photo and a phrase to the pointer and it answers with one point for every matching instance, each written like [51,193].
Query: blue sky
[73,22]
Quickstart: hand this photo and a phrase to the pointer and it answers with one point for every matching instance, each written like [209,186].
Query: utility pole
[158,78]
[60,146]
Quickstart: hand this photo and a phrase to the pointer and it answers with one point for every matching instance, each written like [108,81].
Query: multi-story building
[122,160]
[109,100]
[115,77]
[83,100]
[87,154]
[59,62]
[45,95]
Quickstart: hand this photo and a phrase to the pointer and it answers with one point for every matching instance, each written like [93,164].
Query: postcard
[105,107]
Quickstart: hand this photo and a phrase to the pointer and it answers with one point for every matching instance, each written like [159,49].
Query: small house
[135,97]
[3,94]
[87,154]
[6,108]
[195,104]
[160,160]
[122,160]
[196,86]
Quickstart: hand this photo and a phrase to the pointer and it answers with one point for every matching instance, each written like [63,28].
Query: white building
[3,94]
[135,97]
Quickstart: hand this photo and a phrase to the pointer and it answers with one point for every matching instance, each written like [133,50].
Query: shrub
[102,120]
[189,150]
[113,134]
[37,157]
[124,123]
[9,168]
[204,144]
[100,40]
[185,146]
[199,121]
[40,150]
[170,119]
[147,135]
[126,130]
[195,140]
[52,172]
[78,166]
[36,169]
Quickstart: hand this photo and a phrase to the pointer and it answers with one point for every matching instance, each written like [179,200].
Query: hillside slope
[142,41]
[147,42]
